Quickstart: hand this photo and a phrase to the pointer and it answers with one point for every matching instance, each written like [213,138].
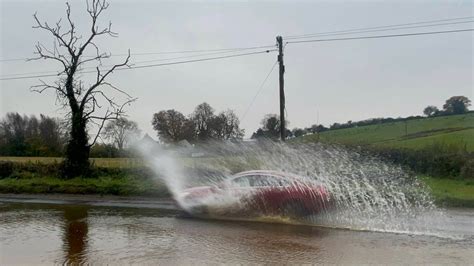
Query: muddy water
[56,234]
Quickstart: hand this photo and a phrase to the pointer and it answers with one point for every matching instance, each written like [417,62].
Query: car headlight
[185,194]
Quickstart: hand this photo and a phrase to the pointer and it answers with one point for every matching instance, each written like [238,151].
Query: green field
[455,131]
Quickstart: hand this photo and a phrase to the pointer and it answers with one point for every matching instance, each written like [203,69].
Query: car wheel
[199,211]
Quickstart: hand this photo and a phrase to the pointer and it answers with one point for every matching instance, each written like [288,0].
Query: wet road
[39,233]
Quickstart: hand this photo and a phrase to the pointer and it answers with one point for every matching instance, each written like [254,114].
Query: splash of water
[369,194]
[164,163]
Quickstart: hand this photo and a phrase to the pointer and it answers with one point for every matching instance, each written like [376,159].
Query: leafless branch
[109,115]
[100,79]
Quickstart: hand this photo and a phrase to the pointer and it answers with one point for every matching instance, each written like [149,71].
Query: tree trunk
[77,150]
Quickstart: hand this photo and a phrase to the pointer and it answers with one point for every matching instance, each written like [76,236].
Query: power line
[132,64]
[187,56]
[377,27]
[153,65]
[259,89]
[199,60]
[286,37]
[389,29]
[204,51]
[382,36]
[168,52]
[252,53]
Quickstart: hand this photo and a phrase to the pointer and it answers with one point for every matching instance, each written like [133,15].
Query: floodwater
[56,234]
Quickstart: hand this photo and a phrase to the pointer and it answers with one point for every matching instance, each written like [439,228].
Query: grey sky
[347,80]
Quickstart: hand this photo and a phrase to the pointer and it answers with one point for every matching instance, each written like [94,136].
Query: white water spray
[369,194]
[164,164]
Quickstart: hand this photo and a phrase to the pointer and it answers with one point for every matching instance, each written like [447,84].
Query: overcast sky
[345,80]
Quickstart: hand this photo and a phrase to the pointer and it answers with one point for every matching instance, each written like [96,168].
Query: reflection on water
[55,234]
[75,234]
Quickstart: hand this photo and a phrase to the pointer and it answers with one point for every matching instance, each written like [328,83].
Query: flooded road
[33,233]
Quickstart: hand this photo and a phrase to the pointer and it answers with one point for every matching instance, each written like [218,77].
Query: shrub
[434,161]
[6,169]
[467,171]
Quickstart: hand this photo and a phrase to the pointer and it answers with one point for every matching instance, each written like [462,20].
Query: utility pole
[279,40]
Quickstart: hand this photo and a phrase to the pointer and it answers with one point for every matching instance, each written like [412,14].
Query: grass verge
[98,162]
[451,192]
[122,186]
[42,178]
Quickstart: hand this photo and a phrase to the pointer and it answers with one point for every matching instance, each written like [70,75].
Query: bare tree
[83,101]
[120,132]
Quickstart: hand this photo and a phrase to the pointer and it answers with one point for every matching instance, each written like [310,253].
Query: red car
[258,193]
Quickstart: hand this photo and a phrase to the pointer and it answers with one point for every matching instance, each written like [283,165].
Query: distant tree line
[22,135]
[201,125]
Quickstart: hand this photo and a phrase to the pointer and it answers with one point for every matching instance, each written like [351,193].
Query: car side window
[283,182]
[243,181]
[266,181]
[260,181]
